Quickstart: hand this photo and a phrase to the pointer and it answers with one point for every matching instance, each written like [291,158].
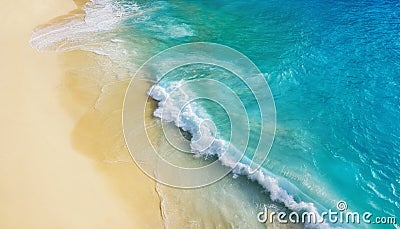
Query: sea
[333,69]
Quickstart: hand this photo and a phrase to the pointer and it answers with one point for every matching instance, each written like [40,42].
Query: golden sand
[63,163]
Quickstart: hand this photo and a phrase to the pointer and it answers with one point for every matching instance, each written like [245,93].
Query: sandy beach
[54,168]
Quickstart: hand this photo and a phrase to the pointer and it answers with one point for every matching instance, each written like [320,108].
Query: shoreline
[47,182]
[96,101]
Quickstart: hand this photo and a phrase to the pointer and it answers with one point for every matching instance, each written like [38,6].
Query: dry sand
[54,171]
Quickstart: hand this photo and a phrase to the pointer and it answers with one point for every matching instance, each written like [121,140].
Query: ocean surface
[333,68]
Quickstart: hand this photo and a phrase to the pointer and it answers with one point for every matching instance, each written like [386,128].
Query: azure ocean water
[333,68]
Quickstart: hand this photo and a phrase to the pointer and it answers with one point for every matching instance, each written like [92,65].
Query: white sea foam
[189,118]
[77,31]
[92,30]
[190,121]
[98,28]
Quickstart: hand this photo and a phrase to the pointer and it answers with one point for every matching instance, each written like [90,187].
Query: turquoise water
[334,71]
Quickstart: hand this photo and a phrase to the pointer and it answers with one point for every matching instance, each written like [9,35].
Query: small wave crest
[190,119]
